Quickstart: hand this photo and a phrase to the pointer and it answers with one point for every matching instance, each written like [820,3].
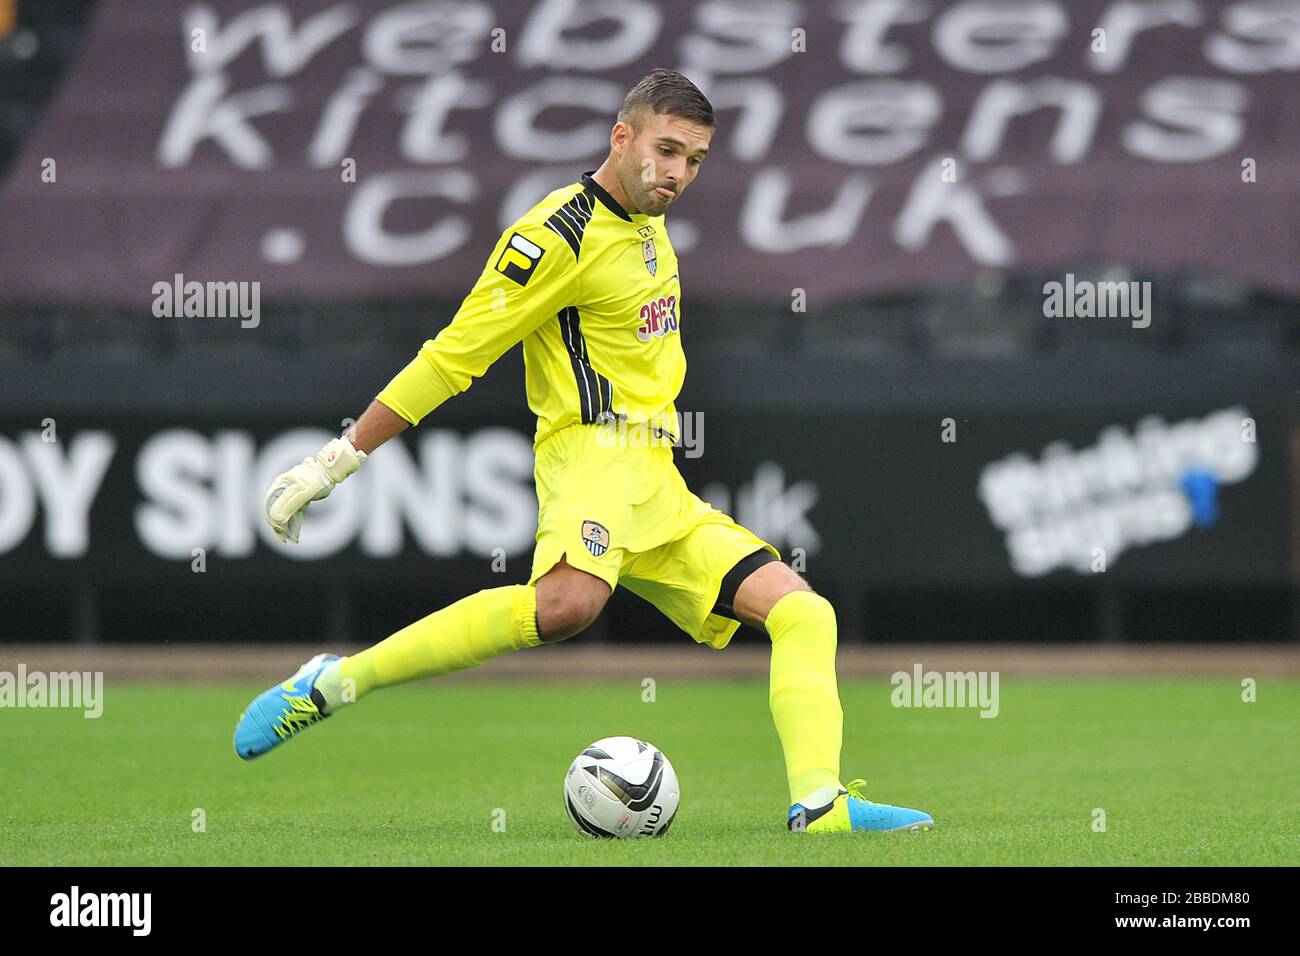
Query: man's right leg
[475,629]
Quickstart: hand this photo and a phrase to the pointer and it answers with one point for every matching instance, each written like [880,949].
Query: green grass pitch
[1186,772]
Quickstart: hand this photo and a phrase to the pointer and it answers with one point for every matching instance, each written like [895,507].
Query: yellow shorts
[625,515]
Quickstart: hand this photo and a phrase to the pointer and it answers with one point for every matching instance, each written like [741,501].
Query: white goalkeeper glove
[314,479]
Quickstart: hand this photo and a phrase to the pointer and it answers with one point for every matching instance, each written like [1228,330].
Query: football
[621,787]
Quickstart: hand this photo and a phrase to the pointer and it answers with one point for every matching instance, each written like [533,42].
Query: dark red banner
[369,148]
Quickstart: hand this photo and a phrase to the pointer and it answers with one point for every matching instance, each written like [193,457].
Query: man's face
[662,154]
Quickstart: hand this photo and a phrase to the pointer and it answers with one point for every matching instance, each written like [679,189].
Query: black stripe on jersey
[568,317]
[595,392]
[604,388]
[561,229]
[570,220]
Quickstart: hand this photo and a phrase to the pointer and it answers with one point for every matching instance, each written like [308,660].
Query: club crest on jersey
[596,537]
[648,253]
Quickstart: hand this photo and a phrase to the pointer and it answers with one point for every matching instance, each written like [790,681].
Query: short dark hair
[667,91]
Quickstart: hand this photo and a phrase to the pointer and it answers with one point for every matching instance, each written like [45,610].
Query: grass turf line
[1186,773]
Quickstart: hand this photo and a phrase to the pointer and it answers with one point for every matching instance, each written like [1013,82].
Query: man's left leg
[805,700]
[716,576]
[802,690]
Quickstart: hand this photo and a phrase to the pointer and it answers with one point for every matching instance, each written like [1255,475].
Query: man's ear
[620,136]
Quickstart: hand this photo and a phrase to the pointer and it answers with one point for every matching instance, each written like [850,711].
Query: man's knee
[568,602]
[566,611]
[763,588]
[806,617]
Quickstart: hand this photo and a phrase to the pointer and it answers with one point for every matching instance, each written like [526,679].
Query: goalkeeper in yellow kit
[587,279]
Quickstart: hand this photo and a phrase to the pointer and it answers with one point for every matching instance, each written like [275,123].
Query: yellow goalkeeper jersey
[593,293]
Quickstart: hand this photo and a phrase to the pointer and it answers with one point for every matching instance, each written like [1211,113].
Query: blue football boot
[283,711]
[851,810]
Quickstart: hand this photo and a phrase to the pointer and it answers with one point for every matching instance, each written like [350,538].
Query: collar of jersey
[607,200]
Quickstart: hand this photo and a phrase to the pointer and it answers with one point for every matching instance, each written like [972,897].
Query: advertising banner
[365,149]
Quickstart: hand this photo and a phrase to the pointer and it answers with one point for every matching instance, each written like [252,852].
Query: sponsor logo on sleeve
[519,259]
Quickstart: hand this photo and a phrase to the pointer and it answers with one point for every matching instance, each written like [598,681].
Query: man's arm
[530,276]
[522,285]
[377,424]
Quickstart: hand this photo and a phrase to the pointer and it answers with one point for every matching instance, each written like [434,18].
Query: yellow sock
[460,636]
[803,694]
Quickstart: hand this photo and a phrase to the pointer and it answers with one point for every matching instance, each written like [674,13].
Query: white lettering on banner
[1122,492]
[341,115]
[207,110]
[762,216]
[999,38]
[423,39]
[466,494]
[424,137]
[459,494]
[1257,37]
[521,194]
[518,135]
[863,47]
[64,485]
[961,205]
[410,71]
[233,457]
[1001,101]
[177,515]
[775,512]
[874,122]
[363,222]
[737,37]
[755,106]
[1203,119]
[1122,22]
[426,494]
[543,42]
[285,51]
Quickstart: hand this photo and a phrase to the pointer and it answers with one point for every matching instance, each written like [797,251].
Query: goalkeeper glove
[314,479]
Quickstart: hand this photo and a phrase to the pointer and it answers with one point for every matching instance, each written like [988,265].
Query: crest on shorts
[596,537]
[648,253]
